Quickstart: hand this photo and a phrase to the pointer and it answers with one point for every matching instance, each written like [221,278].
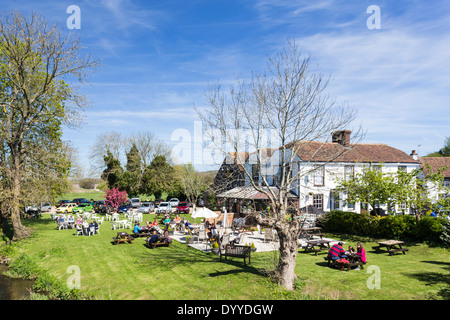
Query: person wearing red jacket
[336,251]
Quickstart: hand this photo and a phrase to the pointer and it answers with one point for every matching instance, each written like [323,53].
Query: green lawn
[132,271]
[88,194]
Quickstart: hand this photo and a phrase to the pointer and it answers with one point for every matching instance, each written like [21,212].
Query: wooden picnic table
[392,246]
[309,233]
[122,237]
[317,245]
[354,260]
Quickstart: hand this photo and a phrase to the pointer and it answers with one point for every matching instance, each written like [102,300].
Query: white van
[135,202]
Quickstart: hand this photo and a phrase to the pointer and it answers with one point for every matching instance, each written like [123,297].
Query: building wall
[308,191]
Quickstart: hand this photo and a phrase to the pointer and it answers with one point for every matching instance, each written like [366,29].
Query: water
[13,289]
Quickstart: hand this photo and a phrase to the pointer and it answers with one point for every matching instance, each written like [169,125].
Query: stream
[13,289]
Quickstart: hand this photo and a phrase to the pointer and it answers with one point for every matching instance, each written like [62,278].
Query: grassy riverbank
[132,271]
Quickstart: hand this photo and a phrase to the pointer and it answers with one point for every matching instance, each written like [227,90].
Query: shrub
[53,289]
[445,235]
[430,228]
[23,267]
[393,227]
[88,183]
[396,227]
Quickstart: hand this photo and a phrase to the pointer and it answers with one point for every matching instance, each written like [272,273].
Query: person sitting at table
[189,225]
[148,224]
[336,251]
[166,221]
[95,225]
[154,238]
[85,226]
[350,250]
[155,223]
[361,252]
[137,228]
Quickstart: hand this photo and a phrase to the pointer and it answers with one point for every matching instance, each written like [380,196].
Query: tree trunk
[285,270]
[20,231]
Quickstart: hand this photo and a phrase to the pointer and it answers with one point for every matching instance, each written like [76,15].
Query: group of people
[338,252]
[85,226]
[156,232]
[79,223]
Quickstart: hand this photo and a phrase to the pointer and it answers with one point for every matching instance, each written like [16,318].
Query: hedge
[393,227]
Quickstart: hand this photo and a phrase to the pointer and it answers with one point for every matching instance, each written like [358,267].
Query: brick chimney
[414,155]
[341,137]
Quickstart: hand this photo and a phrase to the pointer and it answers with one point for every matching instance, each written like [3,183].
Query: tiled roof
[249,192]
[436,163]
[335,152]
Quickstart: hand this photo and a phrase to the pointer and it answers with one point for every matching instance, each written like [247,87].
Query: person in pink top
[361,252]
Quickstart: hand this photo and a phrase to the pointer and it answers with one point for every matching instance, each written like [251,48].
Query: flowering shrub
[115,198]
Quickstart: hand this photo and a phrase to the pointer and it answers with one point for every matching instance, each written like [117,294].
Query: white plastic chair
[79,230]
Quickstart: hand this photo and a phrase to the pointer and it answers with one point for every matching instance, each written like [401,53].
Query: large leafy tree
[371,186]
[113,172]
[158,177]
[37,63]
[417,189]
[131,178]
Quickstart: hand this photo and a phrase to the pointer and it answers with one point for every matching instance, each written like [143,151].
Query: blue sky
[159,56]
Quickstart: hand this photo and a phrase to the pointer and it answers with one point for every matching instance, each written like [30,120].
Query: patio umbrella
[204,212]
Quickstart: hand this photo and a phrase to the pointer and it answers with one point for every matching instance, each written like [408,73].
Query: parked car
[83,207]
[183,207]
[66,207]
[46,206]
[158,201]
[135,202]
[79,200]
[174,202]
[164,207]
[146,207]
[125,207]
[60,202]
[33,210]
[101,207]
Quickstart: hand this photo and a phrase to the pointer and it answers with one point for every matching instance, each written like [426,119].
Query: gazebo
[238,197]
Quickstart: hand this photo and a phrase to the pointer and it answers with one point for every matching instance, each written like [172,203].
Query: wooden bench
[141,234]
[119,240]
[160,242]
[392,246]
[317,245]
[236,251]
[340,265]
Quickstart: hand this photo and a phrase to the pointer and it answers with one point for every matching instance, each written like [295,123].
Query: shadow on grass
[180,255]
[435,278]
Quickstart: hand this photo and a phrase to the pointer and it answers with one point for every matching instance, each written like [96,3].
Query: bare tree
[277,116]
[37,63]
[193,184]
[112,142]
[147,144]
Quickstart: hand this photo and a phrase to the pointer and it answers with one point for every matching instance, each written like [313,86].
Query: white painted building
[320,167]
